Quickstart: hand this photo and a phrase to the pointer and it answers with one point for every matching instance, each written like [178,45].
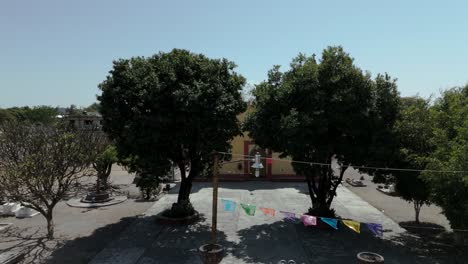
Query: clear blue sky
[56,52]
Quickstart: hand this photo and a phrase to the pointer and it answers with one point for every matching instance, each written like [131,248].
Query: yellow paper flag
[355,226]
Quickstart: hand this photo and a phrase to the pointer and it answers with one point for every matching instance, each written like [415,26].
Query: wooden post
[215,200]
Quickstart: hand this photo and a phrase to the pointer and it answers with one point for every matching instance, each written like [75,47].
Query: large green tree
[450,190]
[174,107]
[320,111]
[415,138]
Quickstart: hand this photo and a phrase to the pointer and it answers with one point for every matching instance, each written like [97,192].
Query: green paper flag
[249,209]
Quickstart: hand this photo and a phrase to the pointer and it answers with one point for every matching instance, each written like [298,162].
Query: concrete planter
[9,209]
[94,197]
[164,220]
[211,253]
[369,257]
[25,212]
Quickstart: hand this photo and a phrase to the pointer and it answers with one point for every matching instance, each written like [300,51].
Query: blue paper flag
[330,221]
[229,206]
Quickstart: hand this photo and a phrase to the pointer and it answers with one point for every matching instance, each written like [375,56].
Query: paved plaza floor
[267,239]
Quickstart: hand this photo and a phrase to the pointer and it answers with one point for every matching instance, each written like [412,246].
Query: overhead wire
[350,165]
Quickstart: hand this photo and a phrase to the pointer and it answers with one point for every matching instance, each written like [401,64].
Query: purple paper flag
[376,229]
[290,216]
[309,220]
[330,221]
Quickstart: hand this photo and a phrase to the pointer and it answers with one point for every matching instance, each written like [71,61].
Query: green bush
[148,185]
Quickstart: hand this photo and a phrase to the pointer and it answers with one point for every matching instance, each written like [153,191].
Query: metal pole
[215,199]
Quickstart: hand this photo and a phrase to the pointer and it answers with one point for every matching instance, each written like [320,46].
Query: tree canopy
[414,130]
[318,111]
[40,164]
[38,114]
[450,190]
[171,107]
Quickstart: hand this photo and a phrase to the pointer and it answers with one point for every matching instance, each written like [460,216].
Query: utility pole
[215,200]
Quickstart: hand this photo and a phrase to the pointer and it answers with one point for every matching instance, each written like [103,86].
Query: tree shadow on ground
[29,242]
[424,229]
[180,244]
[270,243]
[83,249]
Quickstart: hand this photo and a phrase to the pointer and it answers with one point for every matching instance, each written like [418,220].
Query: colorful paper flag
[290,216]
[268,211]
[249,209]
[330,221]
[353,225]
[229,206]
[376,229]
[309,220]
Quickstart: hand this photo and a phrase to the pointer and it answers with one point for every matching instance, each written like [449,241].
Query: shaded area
[265,243]
[180,244]
[39,249]
[424,229]
[268,243]
[31,242]
[83,249]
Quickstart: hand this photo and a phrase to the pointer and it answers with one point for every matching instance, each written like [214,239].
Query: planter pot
[369,257]
[211,253]
[188,220]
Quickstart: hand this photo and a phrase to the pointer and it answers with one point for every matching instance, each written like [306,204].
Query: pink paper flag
[309,220]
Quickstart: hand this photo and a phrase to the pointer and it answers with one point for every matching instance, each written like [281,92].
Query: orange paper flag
[268,211]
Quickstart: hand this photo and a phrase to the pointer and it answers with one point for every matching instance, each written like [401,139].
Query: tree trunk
[184,191]
[335,186]
[105,178]
[185,184]
[323,190]
[98,184]
[50,225]
[316,183]
[309,185]
[417,209]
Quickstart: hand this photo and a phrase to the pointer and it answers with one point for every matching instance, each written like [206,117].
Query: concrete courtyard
[267,239]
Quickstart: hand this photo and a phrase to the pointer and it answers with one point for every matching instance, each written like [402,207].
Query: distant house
[84,119]
[240,166]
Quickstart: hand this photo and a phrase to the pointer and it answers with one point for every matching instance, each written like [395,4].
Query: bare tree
[40,164]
